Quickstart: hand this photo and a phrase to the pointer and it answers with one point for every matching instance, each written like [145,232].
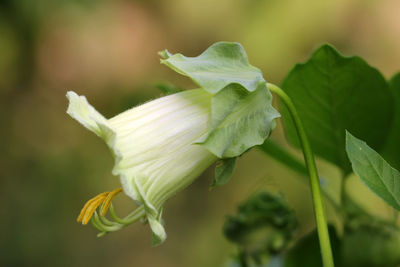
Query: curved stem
[319,210]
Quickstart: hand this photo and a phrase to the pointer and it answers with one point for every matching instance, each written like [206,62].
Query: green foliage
[373,244]
[263,226]
[367,242]
[374,171]
[241,261]
[239,120]
[391,151]
[223,171]
[222,64]
[333,93]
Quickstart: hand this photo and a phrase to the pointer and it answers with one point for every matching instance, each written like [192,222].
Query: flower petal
[80,109]
[88,116]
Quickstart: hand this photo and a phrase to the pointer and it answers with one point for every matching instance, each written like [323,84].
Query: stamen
[90,207]
[87,205]
[108,200]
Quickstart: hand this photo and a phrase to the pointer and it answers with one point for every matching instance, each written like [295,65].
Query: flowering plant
[160,147]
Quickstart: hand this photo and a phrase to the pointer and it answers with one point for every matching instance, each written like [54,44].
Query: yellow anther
[87,210]
[108,200]
[90,207]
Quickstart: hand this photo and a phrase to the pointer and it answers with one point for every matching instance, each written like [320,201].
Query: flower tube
[154,146]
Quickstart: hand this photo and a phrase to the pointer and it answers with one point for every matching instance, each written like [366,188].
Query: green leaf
[283,156]
[333,93]
[391,150]
[239,120]
[223,63]
[374,171]
[223,171]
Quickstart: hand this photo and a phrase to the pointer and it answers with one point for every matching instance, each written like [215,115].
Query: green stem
[319,211]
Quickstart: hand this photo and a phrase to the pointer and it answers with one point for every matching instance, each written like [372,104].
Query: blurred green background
[107,50]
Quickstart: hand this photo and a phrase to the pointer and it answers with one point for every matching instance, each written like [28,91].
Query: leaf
[239,120]
[333,93]
[223,171]
[391,150]
[374,171]
[223,63]
[283,156]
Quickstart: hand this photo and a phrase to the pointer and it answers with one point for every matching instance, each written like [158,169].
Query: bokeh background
[107,50]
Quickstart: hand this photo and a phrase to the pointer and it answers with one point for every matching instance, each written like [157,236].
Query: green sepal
[223,63]
[242,115]
[223,171]
[164,54]
[239,120]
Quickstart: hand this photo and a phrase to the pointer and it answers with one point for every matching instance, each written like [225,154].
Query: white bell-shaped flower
[154,146]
